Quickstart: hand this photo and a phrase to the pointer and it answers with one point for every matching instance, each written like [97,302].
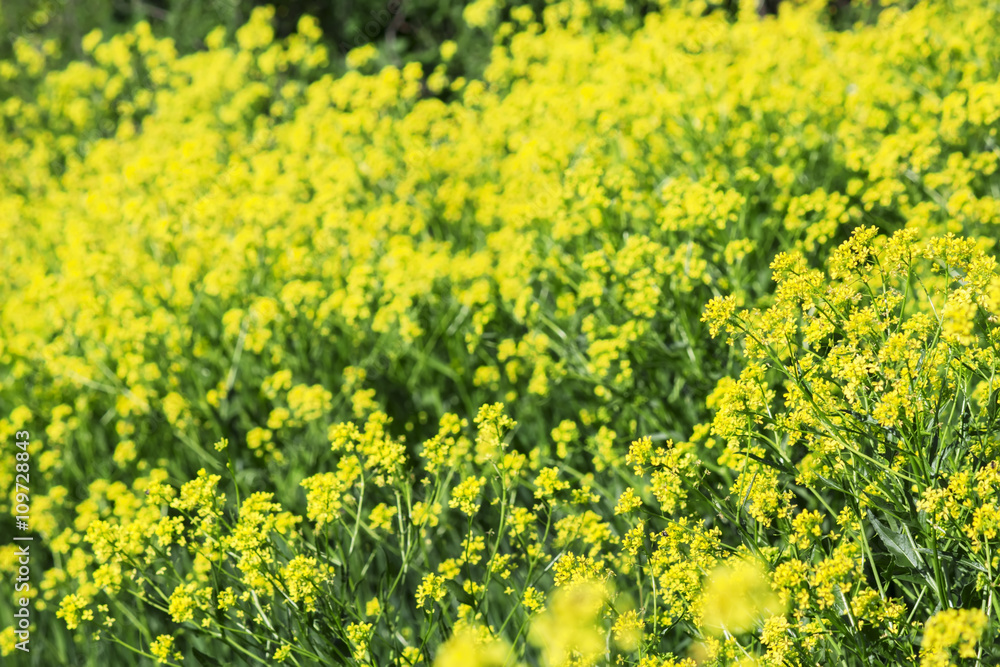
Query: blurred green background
[403,30]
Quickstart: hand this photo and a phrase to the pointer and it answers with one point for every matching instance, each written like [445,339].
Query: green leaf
[900,544]
[961,564]
[202,658]
[840,601]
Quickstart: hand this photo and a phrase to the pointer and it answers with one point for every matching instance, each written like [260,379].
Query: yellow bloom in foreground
[951,630]
[628,630]
[471,648]
[735,596]
[569,629]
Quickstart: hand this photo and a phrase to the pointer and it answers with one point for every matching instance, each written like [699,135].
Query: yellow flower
[303,579]
[479,14]
[448,49]
[465,496]
[628,630]
[736,596]
[162,649]
[91,40]
[426,514]
[547,483]
[361,56]
[628,501]
[359,634]
[431,588]
[470,647]
[569,628]
[949,634]
[373,607]
[381,517]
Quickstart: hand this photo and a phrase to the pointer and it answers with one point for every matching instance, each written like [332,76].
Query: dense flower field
[662,344]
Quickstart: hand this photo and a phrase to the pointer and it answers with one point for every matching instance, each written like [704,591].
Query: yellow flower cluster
[955,630]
